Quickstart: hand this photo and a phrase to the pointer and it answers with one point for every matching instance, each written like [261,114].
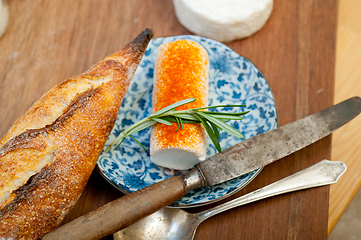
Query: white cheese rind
[225,20]
[176,158]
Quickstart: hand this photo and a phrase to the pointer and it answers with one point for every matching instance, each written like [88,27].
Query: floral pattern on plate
[232,80]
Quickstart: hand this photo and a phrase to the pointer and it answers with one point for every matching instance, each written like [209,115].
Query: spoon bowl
[167,223]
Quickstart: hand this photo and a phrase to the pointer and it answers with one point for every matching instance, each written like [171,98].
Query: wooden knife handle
[122,212]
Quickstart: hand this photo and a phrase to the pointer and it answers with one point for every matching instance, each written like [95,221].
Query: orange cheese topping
[180,72]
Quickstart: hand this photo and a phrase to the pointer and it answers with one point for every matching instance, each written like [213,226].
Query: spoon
[174,223]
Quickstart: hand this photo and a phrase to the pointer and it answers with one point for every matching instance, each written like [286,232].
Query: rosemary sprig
[212,121]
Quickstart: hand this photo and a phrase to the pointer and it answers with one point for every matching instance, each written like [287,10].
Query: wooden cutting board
[49,41]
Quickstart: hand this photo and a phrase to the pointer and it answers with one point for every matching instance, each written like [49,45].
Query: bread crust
[59,140]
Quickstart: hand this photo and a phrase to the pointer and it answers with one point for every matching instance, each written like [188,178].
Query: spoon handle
[322,173]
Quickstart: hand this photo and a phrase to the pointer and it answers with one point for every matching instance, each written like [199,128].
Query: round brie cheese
[223,20]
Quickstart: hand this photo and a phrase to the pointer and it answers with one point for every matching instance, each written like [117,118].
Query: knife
[237,160]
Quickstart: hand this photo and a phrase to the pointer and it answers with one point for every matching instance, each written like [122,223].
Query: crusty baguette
[47,156]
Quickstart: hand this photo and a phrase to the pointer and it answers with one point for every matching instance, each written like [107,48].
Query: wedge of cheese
[180,72]
[225,20]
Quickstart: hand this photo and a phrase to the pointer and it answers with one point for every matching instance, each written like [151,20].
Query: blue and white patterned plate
[232,80]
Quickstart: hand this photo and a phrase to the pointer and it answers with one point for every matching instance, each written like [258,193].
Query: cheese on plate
[180,72]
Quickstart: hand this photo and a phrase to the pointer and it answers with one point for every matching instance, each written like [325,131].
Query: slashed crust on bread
[46,158]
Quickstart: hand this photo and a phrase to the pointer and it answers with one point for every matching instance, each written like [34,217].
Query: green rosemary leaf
[225,127]
[178,123]
[227,119]
[119,138]
[173,119]
[245,112]
[215,130]
[181,122]
[225,116]
[186,116]
[227,113]
[140,127]
[138,143]
[160,120]
[172,106]
[118,144]
[212,135]
[169,118]
[217,106]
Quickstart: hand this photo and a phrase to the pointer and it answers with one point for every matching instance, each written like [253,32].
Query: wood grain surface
[49,41]
[346,142]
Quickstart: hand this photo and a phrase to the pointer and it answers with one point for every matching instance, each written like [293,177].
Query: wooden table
[49,41]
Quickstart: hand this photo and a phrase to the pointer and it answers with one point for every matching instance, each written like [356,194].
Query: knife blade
[242,158]
[268,147]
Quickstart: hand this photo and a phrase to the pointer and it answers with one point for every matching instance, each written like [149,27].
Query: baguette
[48,155]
